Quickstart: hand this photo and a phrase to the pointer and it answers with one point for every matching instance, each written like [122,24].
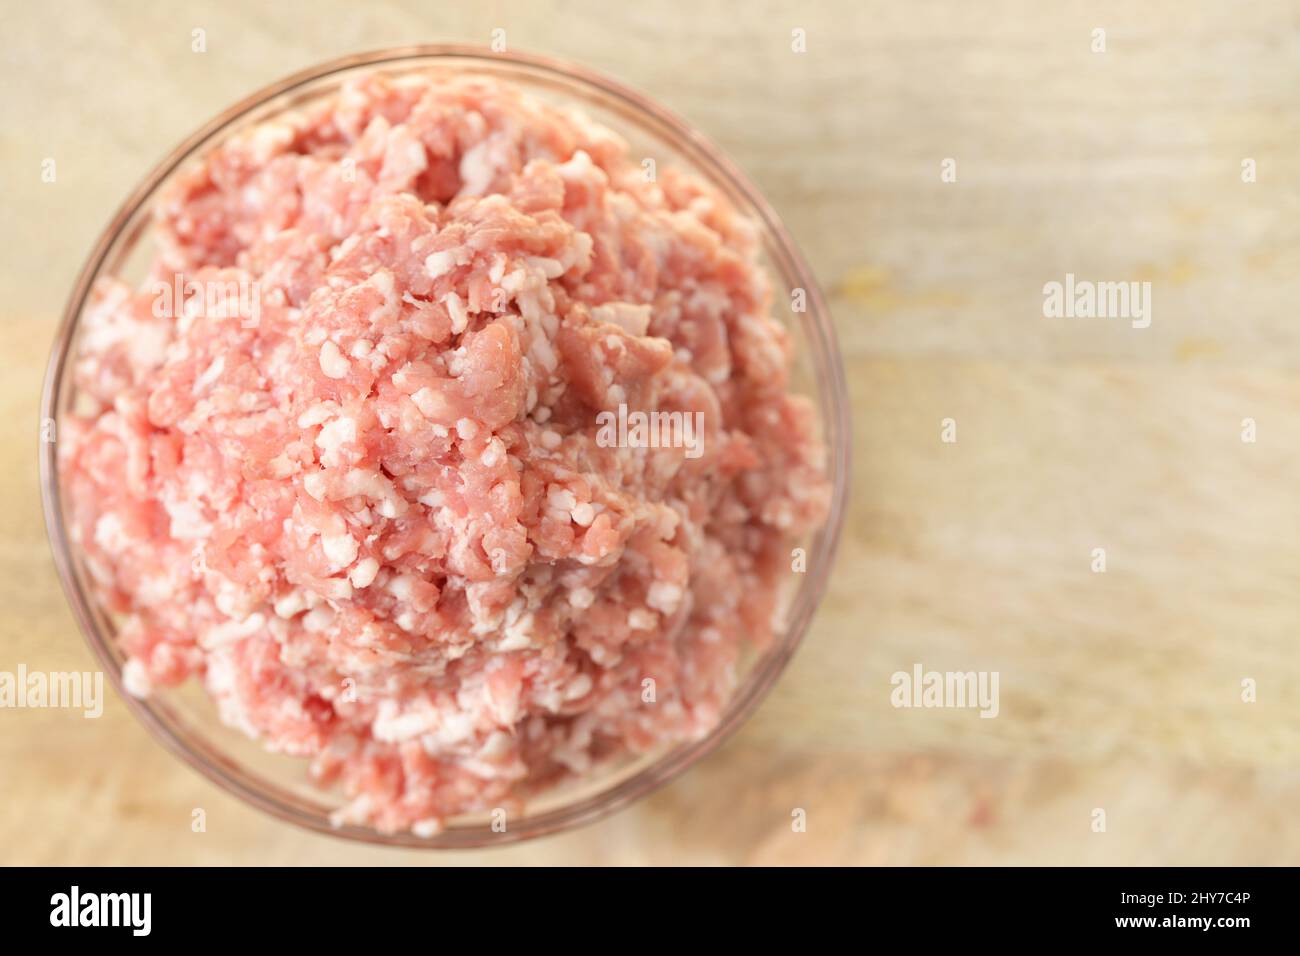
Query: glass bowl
[185,721]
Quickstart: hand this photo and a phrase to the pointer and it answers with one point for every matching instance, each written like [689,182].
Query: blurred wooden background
[1118,690]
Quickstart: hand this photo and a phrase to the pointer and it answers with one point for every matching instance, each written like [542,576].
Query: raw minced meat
[355,482]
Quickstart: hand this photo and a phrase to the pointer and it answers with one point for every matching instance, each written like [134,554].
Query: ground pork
[338,457]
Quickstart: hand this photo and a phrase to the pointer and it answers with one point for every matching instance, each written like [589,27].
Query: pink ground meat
[373,515]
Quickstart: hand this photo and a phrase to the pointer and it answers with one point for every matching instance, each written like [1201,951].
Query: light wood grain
[1119,690]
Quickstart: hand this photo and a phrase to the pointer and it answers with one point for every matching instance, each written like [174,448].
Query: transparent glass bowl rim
[819,334]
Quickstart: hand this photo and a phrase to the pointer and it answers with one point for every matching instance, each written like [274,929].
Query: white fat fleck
[340,549]
[578,168]
[268,139]
[317,619]
[229,601]
[493,454]
[402,587]
[579,252]
[543,353]
[516,281]
[334,435]
[159,588]
[291,604]
[428,828]
[392,726]
[515,641]
[432,405]
[360,482]
[332,361]
[664,597]
[561,499]
[320,412]
[455,360]
[210,374]
[518,632]
[466,428]
[641,620]
[107,324]
[550,268]
[356,811]
[440,263]
[497,745]
[136,679]
[583,514]
[551,440]
[382,281]
[314,485]
[363,575]
[476,169]
[110,533]
[582,598]
[230,632]
[187,522]
[340,250]
[626,315]
[282,466]
[456,309]
[580,686]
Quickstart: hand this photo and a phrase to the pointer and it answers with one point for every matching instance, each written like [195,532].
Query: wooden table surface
[1119,690]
